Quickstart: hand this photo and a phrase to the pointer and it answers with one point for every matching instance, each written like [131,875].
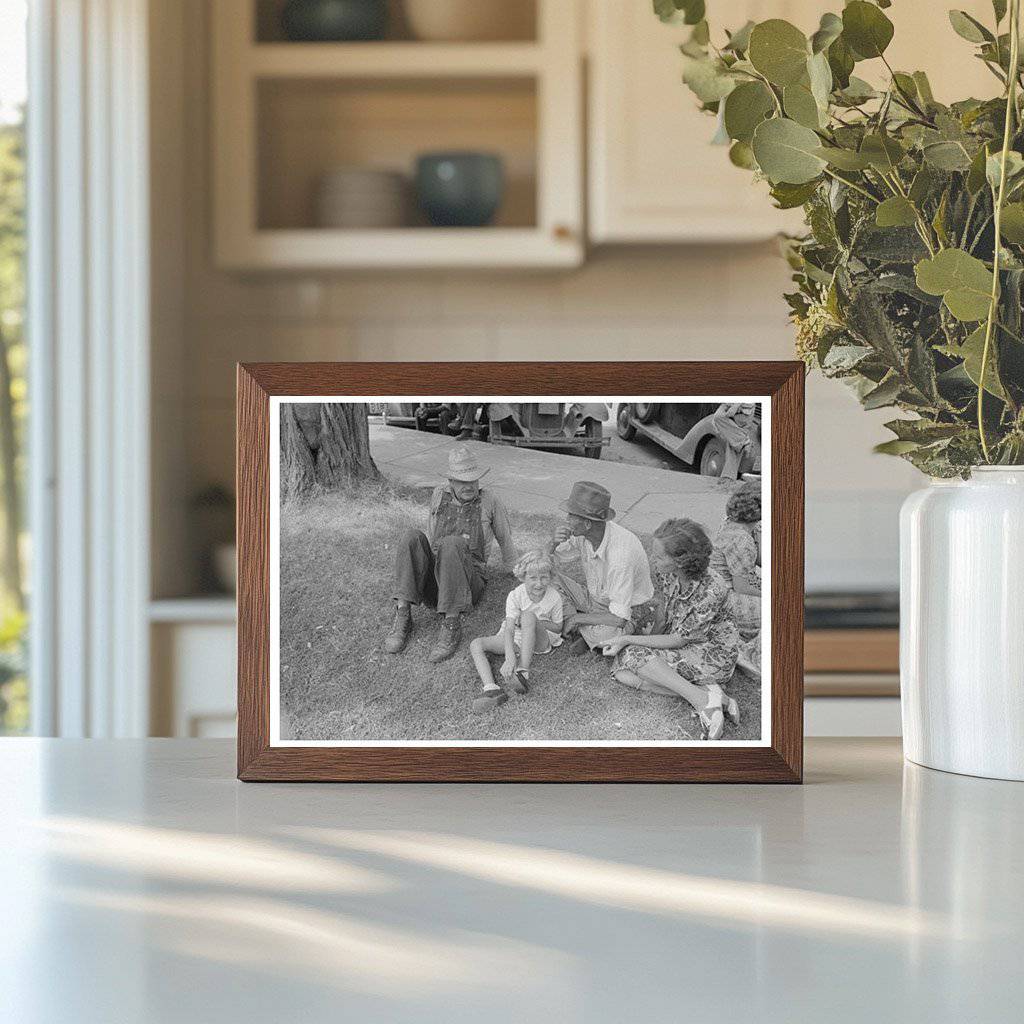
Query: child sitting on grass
[533,625]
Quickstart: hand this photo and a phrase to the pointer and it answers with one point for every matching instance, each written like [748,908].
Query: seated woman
[736,559]
[696,653]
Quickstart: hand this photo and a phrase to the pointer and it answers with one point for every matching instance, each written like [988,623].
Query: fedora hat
[589,500]
[462,465]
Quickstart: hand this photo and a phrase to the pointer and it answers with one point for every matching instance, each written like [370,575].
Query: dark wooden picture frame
[779,761]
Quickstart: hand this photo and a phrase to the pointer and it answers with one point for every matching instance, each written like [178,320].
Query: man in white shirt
[614,564]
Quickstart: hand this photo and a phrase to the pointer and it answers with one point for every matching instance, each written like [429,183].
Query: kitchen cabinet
[654,177]
[288,114]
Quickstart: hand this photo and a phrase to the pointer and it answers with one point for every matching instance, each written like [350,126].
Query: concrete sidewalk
[532,481]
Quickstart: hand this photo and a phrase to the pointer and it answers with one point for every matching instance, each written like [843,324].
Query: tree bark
[324,446]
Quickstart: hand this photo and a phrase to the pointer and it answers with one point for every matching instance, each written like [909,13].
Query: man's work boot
[396,640]
[448,639]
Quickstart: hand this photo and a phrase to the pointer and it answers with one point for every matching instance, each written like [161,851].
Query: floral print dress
[736,557]
[699,611]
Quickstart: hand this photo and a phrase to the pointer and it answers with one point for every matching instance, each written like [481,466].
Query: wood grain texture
[782,761]
[852,650]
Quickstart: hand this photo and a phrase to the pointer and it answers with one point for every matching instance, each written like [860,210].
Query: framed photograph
[520,571]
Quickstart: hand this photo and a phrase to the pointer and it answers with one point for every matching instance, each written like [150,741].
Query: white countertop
[140,882]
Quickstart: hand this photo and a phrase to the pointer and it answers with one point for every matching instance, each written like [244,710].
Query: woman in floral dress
[736,559]
[695,652]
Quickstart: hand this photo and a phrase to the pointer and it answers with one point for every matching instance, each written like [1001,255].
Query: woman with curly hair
[736,559]
[695,653]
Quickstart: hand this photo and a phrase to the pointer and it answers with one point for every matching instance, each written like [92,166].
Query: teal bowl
[334,21]
[460,189]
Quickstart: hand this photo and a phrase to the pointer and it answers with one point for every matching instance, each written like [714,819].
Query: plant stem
[853,185]
[1011,108]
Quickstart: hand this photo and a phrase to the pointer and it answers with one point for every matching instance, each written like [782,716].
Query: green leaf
[745,108]
[840,61]
[993,165]
[701,34]
[924,88]
[844,159]
[857,91]
[779,51]
[741,155]
[999,9]
[829,30]
[882,151]
[895,447]
[976,174]
[788,196]
[786,151]
[971,352]
[819,74]
[707,78]
[939,220]
[895,212]
[922,185]
[739,41]
[1012,223]
[969,28]
[963,281]
[923,430]
[866,29]
[947,156]
[885,394]
[690,12]
[801,106]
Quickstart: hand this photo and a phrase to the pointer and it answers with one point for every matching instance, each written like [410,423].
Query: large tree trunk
[324,446]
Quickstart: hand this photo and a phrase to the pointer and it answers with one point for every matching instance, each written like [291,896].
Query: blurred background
[361,180]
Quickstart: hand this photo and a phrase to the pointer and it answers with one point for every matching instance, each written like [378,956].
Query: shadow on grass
[337,556]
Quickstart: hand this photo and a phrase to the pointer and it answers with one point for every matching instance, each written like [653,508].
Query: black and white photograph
[548,570]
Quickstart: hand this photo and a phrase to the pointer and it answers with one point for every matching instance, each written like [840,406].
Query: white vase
[962,624]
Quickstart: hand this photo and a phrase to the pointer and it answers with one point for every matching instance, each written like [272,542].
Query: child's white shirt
[548,608]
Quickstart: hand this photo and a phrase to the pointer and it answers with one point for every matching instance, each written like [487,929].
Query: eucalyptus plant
[910,278]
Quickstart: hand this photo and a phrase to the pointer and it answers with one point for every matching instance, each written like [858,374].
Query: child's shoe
[488,699]
[520,681]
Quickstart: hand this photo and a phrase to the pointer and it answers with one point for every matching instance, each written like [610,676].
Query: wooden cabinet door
[654,176]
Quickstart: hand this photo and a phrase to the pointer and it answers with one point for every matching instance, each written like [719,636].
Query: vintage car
[571,426]
[421,415]
[687,431]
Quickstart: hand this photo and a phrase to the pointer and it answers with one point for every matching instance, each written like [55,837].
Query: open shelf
[520,24]
[309,127]
[387,60]
[287,114]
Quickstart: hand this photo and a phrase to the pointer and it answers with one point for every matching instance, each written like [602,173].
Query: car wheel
[624,425]
[594,432]
[712,457]
[646,411]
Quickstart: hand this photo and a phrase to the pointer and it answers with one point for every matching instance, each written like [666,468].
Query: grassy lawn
[337,684]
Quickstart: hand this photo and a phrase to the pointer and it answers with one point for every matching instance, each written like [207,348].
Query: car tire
[594,431]
[712,457]
[646,411]
[624,425]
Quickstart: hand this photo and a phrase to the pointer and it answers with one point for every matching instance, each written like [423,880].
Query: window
[14,692]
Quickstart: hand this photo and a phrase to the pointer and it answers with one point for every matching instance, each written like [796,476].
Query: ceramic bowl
[359,197]
[333,21]
[460,189]
[470,20]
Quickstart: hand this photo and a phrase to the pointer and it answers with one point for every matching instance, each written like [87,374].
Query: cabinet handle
[562,232]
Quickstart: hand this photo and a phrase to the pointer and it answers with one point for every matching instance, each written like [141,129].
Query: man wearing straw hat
[614,564]
[445,569]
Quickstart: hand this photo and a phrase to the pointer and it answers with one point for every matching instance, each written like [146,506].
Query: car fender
[593,411]
[687,450]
